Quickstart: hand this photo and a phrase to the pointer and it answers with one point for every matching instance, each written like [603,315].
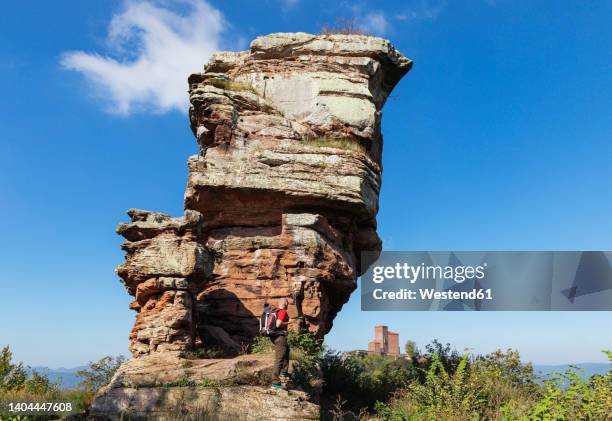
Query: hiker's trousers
[281,357]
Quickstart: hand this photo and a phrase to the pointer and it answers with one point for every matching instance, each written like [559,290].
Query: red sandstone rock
[281,200]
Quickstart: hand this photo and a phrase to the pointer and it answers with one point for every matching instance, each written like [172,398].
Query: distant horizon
[85,365]
[68,379]
[402,342]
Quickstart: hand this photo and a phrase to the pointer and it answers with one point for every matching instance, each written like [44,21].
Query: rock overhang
[312,87]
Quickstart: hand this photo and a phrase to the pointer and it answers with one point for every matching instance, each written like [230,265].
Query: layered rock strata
[281,200]
[289,171]
[166,266]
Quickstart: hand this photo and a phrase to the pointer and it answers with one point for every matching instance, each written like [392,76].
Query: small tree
[99,372]
[411,349]
[40,384]
[12,376]
[447,356]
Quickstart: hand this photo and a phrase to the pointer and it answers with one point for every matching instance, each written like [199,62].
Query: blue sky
[498,139]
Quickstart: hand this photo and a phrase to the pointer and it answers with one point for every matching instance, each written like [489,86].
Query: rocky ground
[164,386]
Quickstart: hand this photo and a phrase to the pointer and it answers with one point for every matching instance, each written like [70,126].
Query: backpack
[267,322]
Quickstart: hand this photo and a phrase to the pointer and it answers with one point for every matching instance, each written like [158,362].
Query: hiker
[278,336]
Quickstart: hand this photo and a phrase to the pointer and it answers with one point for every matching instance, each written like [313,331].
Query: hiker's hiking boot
[284,380]
[278,386]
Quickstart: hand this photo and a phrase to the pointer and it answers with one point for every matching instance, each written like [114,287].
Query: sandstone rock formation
[165,267]
[163,386]
[289,171]
[281,199]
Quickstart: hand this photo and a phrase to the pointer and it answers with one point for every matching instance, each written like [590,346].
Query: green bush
[182,382]
[446,355]
[301,344]
[498,386]
[262,345]
[510,386]
[567,396]
[305,351]
[441,396]
[305,344]
[99,373]
[12,376]
[39,384]
[17,386]
[361,381]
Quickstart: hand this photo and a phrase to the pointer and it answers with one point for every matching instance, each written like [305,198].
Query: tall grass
[346,144]
[344,27]
[231,85]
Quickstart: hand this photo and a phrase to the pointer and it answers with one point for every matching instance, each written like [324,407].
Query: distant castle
[385,342]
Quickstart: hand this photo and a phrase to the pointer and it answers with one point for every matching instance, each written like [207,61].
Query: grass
[206,353]
[304,350]
[344,27]
[187,382]
[198,414]
[262,345]
[251,378]
[231,85]
[346,144]
[206,382]
[184,382]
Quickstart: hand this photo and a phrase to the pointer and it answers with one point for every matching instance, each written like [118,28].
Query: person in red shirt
[281,347]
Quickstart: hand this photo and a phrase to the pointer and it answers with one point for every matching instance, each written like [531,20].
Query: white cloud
[152,49]
[374,22]
[423,9]
[288,4]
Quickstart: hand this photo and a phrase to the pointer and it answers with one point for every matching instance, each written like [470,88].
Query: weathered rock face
[281,199]
[289,173]
[164,270]
[163,386]
[280,202]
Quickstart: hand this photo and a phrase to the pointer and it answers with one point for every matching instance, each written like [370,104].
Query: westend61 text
[432,294]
